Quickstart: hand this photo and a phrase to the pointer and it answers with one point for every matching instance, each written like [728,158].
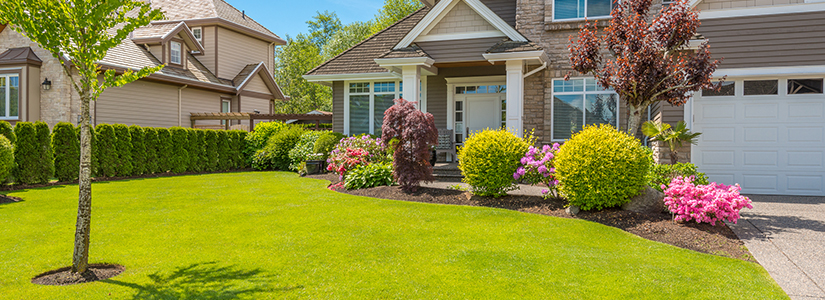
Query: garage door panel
[805,134]
[718,111]
[805,159]
[762,111]
[805,183]
[761,158]
[760,182]
[712,134]
[806,110]
[761,134]
[724,178]
[718,158]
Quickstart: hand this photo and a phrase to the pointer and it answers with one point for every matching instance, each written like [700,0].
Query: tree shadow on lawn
[205,281]
[5,199]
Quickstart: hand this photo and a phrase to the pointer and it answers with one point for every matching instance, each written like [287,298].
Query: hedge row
[35,154]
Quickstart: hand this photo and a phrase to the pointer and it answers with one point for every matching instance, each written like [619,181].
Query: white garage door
[768,135]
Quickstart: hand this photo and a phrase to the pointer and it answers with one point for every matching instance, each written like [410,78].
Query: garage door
[768,135]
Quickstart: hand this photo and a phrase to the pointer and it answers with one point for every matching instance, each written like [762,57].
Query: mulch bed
[64,276]
[717,240]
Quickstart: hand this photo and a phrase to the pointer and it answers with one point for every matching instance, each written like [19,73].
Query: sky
[288,17]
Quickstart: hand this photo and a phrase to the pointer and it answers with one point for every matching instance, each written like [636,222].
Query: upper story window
[175,53]
[9,96]
[198,33]
[580,9]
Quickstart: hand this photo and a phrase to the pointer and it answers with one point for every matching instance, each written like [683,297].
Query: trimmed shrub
[355,151]
[210,142]
[224,154]
[138,150]
[203,157]
[236,147]
[326,143]
[601,167]
[8,131]
[150,141]
[258,139]
[179,157]
[45,165]
[416,135]
[488,160]
[164,150]
[66,147]
[303,149]
[367,176]
[193,146]
[275,156]
[660,176]
[125,165]
[106,150]
[33,153]
[6,158]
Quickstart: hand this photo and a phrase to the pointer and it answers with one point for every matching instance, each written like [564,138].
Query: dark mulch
[64,276]
[9,199]
[717,240]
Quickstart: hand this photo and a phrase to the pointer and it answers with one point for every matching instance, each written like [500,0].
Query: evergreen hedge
[210,142]
[8,131]
[125,165]
[224,151]
[138,150]
[193,146]
[164,150]
[45,165]
[66,147]
[179,157]
[203,158]
[150,141]
[106,150]
[6,158]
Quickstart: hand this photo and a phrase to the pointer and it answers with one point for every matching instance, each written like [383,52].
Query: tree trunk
[634,119]
[80,260]
[674,157]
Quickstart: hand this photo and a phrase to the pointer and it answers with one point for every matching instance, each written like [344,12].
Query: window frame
[608,16]
[398,93]
[788,80]
[584,94]
[228,103]
[200,30]
[7,96]
[172,52]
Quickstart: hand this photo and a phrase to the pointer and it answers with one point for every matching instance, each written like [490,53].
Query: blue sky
[289,16]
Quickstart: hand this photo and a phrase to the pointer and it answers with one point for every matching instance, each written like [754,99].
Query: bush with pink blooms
[356,151]
[537,168]
[707,203]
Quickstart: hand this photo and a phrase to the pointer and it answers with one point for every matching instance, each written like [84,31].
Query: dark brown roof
[360,58]
[244,73]
[508,46]
[17,56]
[408,52]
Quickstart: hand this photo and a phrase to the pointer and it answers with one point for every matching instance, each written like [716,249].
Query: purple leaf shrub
[416,134]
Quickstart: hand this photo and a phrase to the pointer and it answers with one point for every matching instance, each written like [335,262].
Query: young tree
[673,137]
[79,33]
[416,134]
[650,60]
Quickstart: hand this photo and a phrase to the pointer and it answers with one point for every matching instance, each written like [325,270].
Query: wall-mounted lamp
[256,111]
[47,85]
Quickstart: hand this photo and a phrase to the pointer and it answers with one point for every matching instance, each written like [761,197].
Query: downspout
[543,66]
[180,110]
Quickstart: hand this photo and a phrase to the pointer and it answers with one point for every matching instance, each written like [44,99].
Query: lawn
[276,235]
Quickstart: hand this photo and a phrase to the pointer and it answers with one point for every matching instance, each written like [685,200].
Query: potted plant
[316,164]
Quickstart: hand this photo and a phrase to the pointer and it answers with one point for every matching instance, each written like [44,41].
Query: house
[478,64]
[217,60]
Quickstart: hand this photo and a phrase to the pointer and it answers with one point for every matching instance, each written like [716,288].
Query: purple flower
[545,191]
[543,170]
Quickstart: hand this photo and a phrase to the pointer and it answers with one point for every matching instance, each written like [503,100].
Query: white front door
[483,112]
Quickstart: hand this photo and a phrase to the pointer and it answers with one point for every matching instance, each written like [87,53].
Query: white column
[412,82]
[515,97]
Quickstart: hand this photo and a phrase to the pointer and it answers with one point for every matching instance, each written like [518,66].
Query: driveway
[786,234]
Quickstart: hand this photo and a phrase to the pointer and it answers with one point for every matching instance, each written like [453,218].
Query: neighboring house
[217,60]
[312,113]
[478,64]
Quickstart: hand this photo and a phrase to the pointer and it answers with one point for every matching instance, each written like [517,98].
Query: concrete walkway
[786,234]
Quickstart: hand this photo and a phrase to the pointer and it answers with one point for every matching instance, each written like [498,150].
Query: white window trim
[578,19]
[172,51]
[584,113]
[739,89]
[8,97]
[200,40]
[372,93]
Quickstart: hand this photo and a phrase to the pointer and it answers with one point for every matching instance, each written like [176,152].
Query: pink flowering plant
[706,203]
[536,167]
[356,151]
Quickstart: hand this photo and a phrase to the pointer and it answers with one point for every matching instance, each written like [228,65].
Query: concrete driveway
[786,234]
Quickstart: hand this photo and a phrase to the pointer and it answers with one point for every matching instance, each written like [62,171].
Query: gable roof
[510,46]
[17,56]
[250,71]
[360,58]
[409,52]
[163,33]
[210,11]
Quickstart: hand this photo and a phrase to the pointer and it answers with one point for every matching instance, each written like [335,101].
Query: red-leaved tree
[416,134]
[649,59]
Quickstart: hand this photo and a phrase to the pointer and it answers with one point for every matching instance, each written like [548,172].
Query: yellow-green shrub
[6,158]
[489,159]
[601,167]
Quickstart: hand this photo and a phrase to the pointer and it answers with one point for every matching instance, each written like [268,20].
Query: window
[174,55]
[459,122]
[580,102]
[804,86]
[9,96]
[367,103]
[481,89]
[198,33]
[225,108]
[580,9]
[728,88]
[761,87]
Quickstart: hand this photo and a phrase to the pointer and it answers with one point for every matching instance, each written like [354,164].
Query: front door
[483,112]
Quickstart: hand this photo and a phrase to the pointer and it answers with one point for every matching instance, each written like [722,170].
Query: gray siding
[767,41]
[458,50]
[338,106]
[506,9]
[437,88]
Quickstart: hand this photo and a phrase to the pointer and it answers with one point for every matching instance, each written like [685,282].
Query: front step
[447,171]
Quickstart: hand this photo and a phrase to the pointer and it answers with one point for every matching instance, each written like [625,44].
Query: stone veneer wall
[59,104]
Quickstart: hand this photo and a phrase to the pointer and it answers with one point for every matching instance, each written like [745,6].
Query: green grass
[275,235]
